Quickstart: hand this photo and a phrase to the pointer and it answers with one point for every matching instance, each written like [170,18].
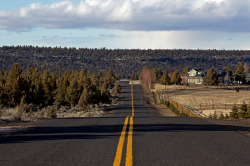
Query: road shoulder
[155,109]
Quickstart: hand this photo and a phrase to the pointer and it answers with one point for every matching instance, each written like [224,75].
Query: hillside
[122,61]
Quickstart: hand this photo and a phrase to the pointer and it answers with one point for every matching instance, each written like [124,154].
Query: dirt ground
[155,109]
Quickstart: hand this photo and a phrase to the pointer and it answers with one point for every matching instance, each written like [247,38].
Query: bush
[42,113]
[215,116]
[210,116]
[221,116]
[234,113]
[172,108]
[51,113]
[226,116]
[165,103]
[117,88]
[153,94]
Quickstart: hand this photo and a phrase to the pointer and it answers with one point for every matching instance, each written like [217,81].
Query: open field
[194,97]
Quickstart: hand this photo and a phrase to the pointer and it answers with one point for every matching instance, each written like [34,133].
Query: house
[248,77]
[194,76]
[223,77]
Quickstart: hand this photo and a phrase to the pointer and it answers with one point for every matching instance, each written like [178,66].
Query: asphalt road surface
[128,136]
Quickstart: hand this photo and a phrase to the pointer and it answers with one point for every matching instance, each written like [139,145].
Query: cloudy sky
[144,24]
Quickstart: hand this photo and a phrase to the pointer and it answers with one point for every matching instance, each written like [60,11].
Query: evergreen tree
[109,77]
[211,78]
[234,113]
[15,86]
[84,100]
[73,93]
[154,74]
[49,87]
[117,88]
[62,90]
[239,73]
[243,111]
[247,115]
[165,79]
[185,70]
[176,79]
[22,104]
[3,98]
[221,116]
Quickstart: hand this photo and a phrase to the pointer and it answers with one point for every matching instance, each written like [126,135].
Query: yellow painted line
[129,156]
[118,155]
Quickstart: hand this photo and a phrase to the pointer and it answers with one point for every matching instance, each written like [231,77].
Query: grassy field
[195,97]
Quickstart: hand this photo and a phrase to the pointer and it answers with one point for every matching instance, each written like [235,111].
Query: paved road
[145,140]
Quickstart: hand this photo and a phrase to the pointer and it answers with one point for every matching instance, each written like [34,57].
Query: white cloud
[147,15]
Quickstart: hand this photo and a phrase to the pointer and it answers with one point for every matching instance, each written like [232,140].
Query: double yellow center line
[129,155]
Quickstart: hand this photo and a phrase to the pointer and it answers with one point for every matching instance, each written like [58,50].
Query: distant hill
[123,61]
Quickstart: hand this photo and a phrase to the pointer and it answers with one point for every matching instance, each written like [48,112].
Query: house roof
[248,75]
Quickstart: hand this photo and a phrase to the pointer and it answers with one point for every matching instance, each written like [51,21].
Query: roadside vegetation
[172,108]
[243,112]
[45,94]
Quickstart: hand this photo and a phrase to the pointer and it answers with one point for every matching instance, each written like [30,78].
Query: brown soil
[155,109]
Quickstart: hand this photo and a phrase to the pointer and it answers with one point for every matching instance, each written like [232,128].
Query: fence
[183,109]
[217,106]
[204,87]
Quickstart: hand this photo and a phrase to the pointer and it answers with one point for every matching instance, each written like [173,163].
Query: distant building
[196,76]
[248,77]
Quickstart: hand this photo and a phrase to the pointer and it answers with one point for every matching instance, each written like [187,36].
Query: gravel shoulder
[155,109]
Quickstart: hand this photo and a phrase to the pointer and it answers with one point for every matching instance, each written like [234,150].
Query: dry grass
[14,114]
[195,97]
[160,87]
[210,96]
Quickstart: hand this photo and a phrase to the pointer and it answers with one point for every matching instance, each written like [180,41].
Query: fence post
[213,106]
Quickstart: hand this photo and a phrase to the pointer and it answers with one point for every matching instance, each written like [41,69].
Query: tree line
[67,88]
[123,62]
[151,76]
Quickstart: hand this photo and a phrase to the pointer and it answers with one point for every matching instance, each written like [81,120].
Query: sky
[127,24]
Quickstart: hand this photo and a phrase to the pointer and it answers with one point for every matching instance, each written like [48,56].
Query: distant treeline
[67,88]
[124,62]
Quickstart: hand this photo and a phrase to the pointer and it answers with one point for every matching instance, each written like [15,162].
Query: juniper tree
[221,116]
[165,79]
[73,93]
[109,77]
[15,86]
[239,73]
[49,86]
[211,78]
[62,90]
[176,79]
[243,111]
[85,99]
[117,88]
[234,113]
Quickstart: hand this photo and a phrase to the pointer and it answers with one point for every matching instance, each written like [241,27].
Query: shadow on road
[109,131]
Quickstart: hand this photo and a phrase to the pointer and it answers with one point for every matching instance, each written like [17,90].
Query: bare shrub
[51,113]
